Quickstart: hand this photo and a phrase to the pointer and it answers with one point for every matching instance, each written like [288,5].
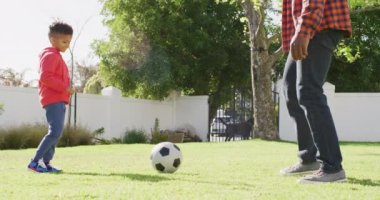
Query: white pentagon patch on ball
[166,157]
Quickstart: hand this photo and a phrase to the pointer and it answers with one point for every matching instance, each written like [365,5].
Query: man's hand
[298,46]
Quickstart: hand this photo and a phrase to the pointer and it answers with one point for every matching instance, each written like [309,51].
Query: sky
[25,24]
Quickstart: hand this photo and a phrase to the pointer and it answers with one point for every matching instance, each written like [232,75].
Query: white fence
[356,116]
[112,111]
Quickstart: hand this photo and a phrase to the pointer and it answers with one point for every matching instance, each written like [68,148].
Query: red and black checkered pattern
[306,17]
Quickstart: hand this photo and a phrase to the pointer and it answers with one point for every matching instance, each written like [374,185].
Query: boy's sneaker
[300,168]
[36,167]
[51,169]
[323,177]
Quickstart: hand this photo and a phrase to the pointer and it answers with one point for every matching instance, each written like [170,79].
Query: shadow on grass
[345,143]
[134,177]
[364,182]
[369,154]
[342,143]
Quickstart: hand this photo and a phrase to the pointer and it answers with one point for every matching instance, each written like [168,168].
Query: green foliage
[94,85]
[192,138]
[30,135]
[198,47]
[134,136]
[346,52]
[276,116]
[156,126]
[82,74]
[355,67]
[21,137]
[99,140]
[171,136]
[157,135]
[115,141]
[76,136]
[1,108]
[357,4]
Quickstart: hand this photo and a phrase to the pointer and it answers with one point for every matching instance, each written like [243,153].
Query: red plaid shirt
[306,17]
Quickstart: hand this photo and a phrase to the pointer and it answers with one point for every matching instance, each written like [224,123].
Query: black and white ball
[166,157]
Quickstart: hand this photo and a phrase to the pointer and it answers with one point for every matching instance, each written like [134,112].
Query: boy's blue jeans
[55,115]
[307,105]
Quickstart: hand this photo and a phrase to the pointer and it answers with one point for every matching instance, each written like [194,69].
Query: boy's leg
[306,147]
[49,154]
[311,75]
[55,115]
[47,158]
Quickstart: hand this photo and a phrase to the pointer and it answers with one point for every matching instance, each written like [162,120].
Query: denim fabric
[55,115]
[307,105]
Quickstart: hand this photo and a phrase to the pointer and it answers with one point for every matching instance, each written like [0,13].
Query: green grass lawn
[234,170]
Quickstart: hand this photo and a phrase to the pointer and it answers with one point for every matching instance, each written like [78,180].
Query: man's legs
[306,147]
[303,88]
[311,75]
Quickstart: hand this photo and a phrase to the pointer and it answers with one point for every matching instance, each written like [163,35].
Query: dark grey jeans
[307,105]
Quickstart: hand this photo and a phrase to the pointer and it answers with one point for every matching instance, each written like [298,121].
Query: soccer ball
[166,157]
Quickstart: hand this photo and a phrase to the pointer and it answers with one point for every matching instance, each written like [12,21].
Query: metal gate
[233,119]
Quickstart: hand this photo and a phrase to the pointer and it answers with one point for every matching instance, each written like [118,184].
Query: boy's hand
[71,90]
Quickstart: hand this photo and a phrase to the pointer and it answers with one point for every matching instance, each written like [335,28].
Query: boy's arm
[48,78]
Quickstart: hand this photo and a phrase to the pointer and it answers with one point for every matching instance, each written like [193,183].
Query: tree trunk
[261,73]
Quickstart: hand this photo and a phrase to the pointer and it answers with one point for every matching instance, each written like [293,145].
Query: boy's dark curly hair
[60,28]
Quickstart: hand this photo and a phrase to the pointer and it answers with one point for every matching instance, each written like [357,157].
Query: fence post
[112,127]
[329,91]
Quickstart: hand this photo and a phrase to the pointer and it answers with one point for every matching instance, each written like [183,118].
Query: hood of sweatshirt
[48,50]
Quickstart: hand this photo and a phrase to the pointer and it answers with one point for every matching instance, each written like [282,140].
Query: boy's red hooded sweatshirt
[54,78]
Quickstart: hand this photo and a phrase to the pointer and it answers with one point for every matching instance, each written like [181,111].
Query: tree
[198,47]
[83,72]
[262,63]
[10,77]
[94,85]
[361,6]
[72,49]
[355,68]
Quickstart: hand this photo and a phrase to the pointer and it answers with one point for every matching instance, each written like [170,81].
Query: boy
[54,91]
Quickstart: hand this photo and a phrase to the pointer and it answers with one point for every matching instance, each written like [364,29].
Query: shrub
[276,116]
[99,140]
[157,135]
[192,138]
[1,108]
[134,136]
[21,137]
[30,135]
[115,141]
[96,136]
[76,136]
